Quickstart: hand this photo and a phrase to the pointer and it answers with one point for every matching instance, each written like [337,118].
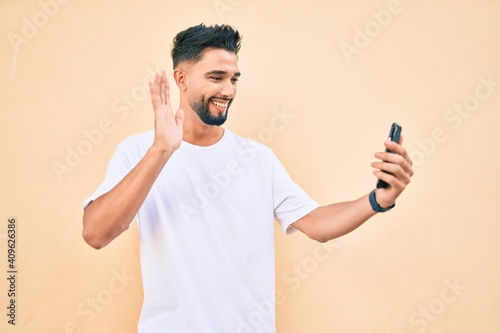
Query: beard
[202,109]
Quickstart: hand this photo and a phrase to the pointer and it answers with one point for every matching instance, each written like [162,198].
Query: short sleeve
[291,202]
[119,166]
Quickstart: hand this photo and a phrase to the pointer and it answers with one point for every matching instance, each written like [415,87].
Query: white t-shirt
[207,236]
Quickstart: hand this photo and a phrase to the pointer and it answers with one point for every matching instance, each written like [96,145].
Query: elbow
[313,228]
[91,239]
[319,238]
[319,234]
[316,234]
[91,236]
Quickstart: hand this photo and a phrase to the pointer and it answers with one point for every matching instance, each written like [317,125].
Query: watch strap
[375,206]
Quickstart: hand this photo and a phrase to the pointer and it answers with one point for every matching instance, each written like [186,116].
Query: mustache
[220,98]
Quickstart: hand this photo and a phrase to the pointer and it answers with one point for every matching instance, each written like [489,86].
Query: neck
[198,133]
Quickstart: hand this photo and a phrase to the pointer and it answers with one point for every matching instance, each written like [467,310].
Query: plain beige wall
[341,72]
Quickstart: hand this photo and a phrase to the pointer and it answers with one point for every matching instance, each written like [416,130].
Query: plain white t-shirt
[207,235]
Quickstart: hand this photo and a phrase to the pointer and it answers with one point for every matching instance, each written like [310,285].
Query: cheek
[194,92]
[202,90]
[209,91]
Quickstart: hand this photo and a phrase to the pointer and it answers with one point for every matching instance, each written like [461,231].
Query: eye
[234,80]
[216,78]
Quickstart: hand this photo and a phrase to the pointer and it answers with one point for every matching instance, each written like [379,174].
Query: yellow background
[69,68]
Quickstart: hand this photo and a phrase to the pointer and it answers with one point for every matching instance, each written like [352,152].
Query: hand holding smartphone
[394,135]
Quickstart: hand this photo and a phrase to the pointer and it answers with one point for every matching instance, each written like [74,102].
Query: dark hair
[190,44]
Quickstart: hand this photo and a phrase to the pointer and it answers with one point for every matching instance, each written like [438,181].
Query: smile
[219,104]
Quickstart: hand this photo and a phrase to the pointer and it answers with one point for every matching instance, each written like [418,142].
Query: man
[205,200]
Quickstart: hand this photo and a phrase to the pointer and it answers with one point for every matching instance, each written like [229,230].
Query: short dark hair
[190,44]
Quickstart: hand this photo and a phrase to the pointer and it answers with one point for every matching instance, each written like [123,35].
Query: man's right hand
[168,128]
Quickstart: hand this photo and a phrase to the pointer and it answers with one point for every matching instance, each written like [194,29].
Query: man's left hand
[398,167]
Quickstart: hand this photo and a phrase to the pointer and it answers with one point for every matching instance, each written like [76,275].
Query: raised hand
[111,213]
[168,127]
[399,165]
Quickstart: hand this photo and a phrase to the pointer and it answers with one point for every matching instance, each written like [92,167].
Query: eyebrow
[221,72]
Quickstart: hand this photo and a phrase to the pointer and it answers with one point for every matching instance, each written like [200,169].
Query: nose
[228,89]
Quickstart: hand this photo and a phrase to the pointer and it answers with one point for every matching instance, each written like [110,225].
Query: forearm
[111,214]
[335,220]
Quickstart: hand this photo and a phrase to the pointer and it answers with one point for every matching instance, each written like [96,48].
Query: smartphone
[394,135]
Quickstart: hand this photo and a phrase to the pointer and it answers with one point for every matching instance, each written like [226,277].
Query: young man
[205,200]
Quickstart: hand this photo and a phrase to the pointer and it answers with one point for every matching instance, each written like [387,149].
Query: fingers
[165,89]
[394,182]
[179,118]
[397,165]
[398,149]
[400,155]
[392,170]
[389,159]
[160,89]
[154,90]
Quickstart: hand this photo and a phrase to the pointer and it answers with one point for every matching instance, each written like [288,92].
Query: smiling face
[210,85]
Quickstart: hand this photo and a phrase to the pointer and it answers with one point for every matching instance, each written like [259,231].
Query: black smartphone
[394,135]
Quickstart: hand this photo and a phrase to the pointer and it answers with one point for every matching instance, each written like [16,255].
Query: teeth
[219,104]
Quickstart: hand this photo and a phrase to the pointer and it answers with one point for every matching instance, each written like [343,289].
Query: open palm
[168,127]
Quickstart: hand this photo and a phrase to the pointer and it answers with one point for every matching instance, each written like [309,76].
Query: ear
[180,79]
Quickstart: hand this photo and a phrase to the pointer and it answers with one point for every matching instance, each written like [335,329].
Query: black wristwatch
[375,206]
